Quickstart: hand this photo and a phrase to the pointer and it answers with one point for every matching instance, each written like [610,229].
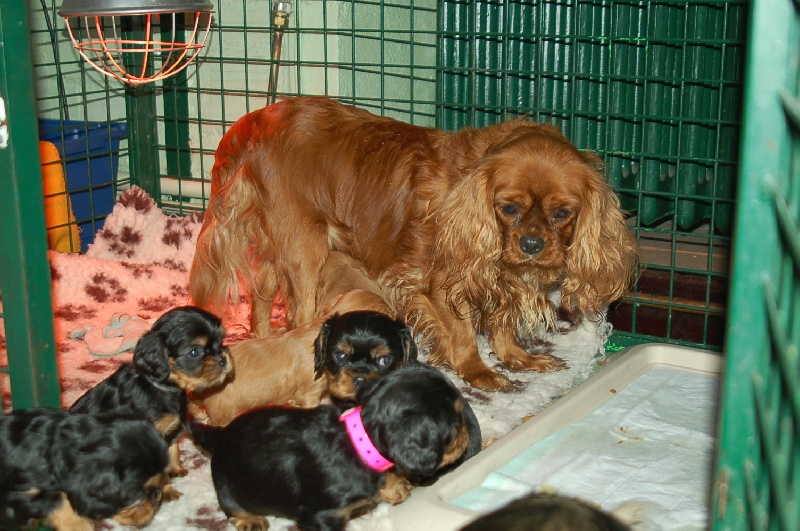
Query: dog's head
[184,347]
[542,212]
[355,347]
[419,420]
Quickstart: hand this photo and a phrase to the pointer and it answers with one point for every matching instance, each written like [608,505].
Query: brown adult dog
[280,369]
[466,232]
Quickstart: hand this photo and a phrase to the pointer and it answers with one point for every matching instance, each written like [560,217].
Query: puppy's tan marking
[64,518]
[175,469]
[140,514]
[168,425]
[341,384]
[459,443]
[211,374]
[395,489]
[249,522]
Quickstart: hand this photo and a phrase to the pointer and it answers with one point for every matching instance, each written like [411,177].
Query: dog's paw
[170,493]
[395,489]
[489,380]
[249,523]
[536,363]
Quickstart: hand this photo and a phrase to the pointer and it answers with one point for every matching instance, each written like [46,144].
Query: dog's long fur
[301,464]
[466,232]
[183,351]
[67,469]
[288,368]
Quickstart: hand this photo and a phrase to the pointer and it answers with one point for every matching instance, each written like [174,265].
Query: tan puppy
[280,369]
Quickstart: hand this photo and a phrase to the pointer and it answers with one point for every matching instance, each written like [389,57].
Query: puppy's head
[355,347]
[419,420]
[184,347]
[112,467]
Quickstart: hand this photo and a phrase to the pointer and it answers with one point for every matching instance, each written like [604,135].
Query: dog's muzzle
[531,245]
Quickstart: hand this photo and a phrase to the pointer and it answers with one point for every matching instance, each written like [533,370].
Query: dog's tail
[233,236]
[204,436]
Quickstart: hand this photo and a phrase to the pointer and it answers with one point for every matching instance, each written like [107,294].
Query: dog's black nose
[358,381]
[222,361]
[531,244]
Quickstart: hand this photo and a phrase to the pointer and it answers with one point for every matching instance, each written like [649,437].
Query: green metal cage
[657,88]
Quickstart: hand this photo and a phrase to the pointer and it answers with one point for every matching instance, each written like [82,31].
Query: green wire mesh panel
[654,87]
[758,462]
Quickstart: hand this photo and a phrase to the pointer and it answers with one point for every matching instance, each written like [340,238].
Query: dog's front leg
[504,344]
[454,342]
[302,275]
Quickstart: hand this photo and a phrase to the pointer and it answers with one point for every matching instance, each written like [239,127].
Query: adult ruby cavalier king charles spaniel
[466,232]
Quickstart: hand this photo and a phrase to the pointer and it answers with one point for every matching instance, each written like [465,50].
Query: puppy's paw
[170,493]
[177,471]
[395,489]
[249,523]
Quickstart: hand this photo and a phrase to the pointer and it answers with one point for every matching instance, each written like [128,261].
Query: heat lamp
[138,41]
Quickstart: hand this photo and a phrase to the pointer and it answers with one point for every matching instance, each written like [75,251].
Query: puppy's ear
[150,357]
[603,258]
[409,346]
[96,488]
[416,445]
[320,346]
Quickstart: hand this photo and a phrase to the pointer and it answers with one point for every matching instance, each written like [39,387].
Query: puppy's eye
[339,356]
[561,214]
[385,361]
[197,352]
[510,210]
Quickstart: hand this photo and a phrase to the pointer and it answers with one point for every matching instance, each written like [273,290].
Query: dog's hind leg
[262,297]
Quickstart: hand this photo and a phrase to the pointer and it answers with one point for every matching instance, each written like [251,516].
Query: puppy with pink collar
[323,466]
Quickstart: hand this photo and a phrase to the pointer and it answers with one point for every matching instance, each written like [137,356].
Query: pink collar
[355,429]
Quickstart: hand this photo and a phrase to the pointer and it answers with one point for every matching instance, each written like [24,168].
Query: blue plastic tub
[90,151]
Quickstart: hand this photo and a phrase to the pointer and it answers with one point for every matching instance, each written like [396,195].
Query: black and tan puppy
[321,468]
[183,351]
[66,469]
[553,512]
[355,347]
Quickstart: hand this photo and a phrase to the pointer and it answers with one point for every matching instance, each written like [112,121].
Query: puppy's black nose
[531,244]
[358,381]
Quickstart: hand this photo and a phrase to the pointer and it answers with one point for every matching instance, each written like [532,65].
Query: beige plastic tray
[428,509]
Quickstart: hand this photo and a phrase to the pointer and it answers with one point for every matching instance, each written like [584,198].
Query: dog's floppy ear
[320,345]
[150,357]
[603,258]
[409,346]
[416,445]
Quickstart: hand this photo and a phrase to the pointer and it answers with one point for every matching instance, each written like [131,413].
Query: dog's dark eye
[510,210]
[560,214]
[385,361]
[197,352]
[339,356]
